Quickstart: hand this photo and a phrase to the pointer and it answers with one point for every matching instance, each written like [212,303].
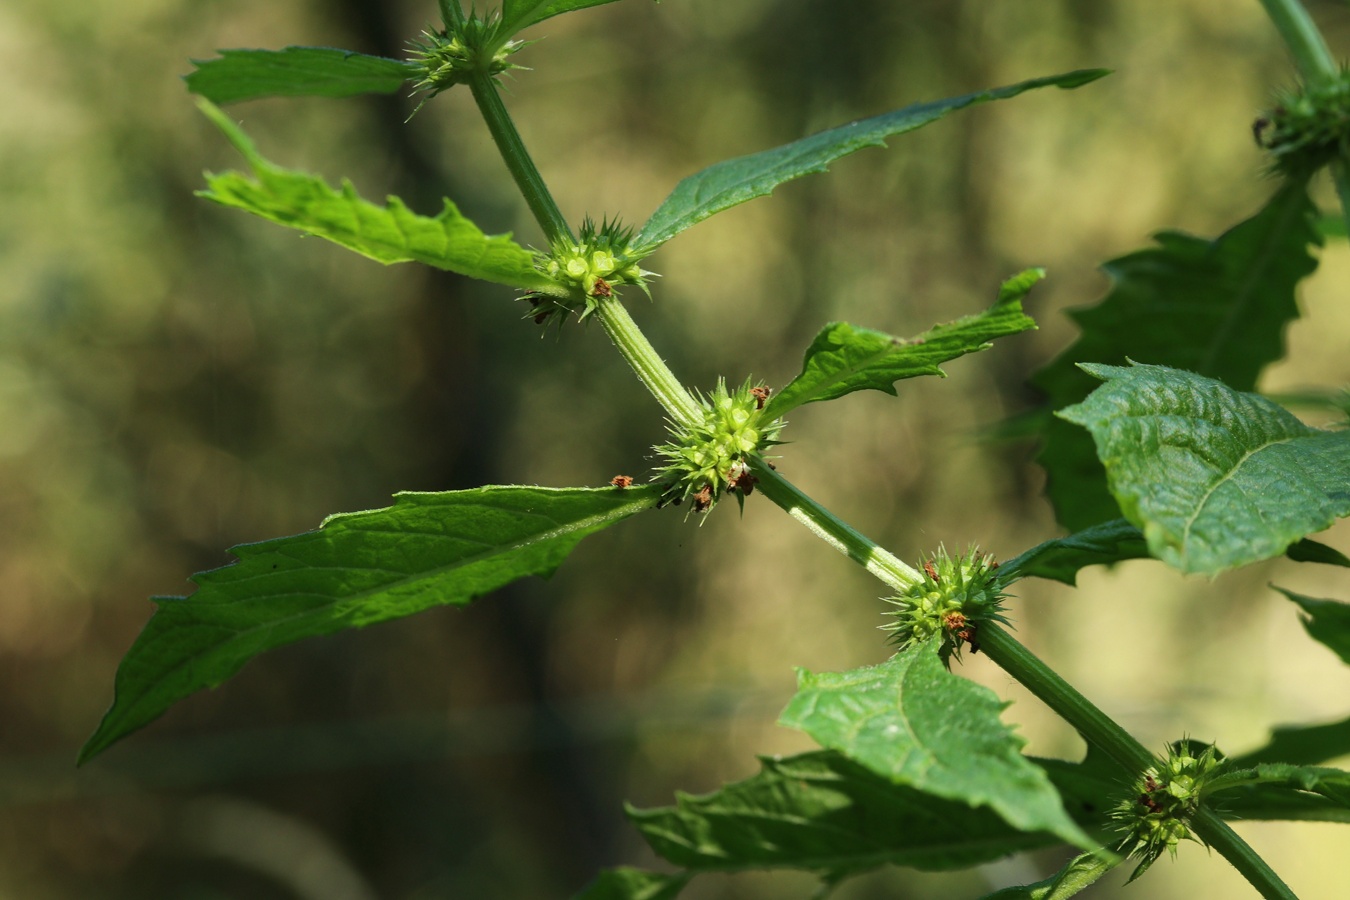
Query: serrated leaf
[1331,784]
[822,812]
[387,234]
[1214,477]
[1078,873]
[1328,621]
[427,550]
[295,72]
[844,358]
[518,14]
[1217,308]
[735,181]
[912,721]
[634,884]
[1060,559]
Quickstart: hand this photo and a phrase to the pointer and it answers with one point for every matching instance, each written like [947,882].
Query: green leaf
[388,234]
[1080,872]
[1060,559]
[1300,745]
[1308,550]
[1216,308]
[844,358]
[1215,478]
[427,550]
[1331,784]
[823,812]
[519,14]
[295,72]
[735,181]
[917,724]
[634,884]
[1328,621]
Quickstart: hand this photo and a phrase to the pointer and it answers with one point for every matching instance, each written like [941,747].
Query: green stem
[1340,174]
[651,369]
[518,160]
[1215,832]
[832,530]
[1306,45]
[1096,727]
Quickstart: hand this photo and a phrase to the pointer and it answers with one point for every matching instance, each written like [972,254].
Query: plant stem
[1215,832]
[1096,727]
[832,530]
[1306,45]
[651,369]
[518,160]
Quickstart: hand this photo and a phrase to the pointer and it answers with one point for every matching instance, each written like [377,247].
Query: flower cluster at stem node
[1156,817]
[953,596]
[712,457]
[589,269]
[450,57]
[1308,128]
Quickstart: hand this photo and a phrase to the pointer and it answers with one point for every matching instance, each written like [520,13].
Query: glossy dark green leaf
[634,884]
[1327,621]
[844,358]
[823,812]
[735,181]
[1300,745]
[1308,550]
[914,722]
[1330,784]
[1216,308]
[1078,873]
[1214,478]
[238,75]
[357,569]
[1060,559]
[388,234]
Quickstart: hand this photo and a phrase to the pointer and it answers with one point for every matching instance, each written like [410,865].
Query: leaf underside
[844,358]
[1213,477]
[387,234]
[1060,559]
[912,721]
[1078,873]
[427,550]
[238,75]
[735,181]
[1216,308]
[1327,621]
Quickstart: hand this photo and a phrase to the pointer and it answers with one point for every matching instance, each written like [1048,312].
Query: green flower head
[952,597]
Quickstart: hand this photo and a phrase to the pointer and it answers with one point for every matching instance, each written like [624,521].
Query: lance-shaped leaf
[844,358]
[1213,307]
[388,234]
[1328,783]
[634,884]
[912,721]
[734,181]
[518,14]
[1327,621]
[1060,559]
[823,812]
[1300,745]
[238,75]
[1078,873]
[426,550]
[1215,478]
[1308,550]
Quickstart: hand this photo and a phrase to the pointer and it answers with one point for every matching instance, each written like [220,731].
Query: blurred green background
[176,378]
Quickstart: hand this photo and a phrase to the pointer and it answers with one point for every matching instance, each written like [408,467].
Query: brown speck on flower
[931,570]
[703,499]
[601,289]
[622,481]
[761,395]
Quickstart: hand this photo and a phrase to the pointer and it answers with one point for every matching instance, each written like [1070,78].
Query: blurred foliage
[175,379]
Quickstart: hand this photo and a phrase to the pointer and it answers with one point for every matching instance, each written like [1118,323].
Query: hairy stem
[1215,832]
[832,530]
[518,160]
[651,369]
[1306,45]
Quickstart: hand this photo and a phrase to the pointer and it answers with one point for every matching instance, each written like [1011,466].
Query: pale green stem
[651,369]
[518,161]
[1215,832]
[832,530]
[1305,42]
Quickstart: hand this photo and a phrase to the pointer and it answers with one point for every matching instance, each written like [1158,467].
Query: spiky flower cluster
[601,259]
[711,458]
[1308,129]
[1156,818]
[444,59]
[953,596]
